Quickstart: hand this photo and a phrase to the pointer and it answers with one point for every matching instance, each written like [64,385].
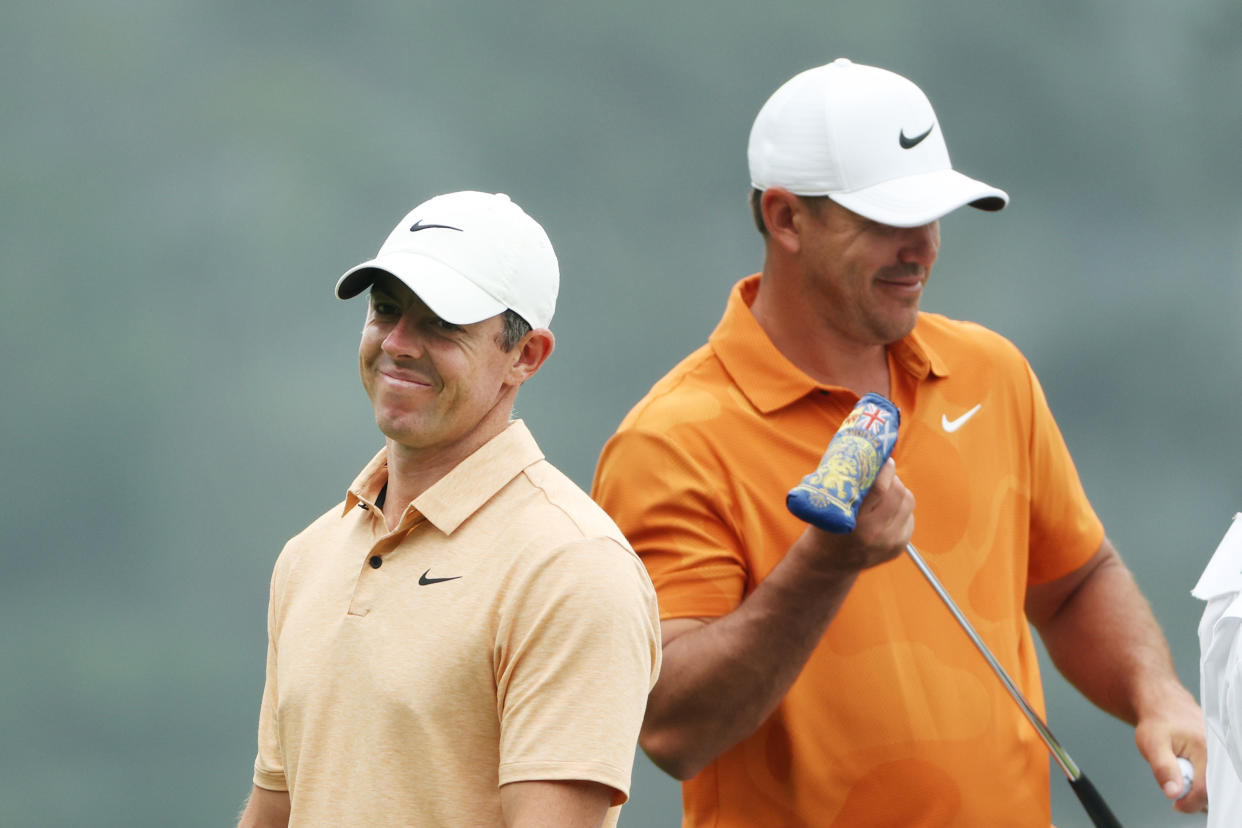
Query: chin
[395,427]
[907,318]
[893,333]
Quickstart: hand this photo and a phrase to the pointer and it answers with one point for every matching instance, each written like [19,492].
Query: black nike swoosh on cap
[418,225]
[908,143]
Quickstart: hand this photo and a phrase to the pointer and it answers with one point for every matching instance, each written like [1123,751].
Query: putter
[830,498]
[1097,809]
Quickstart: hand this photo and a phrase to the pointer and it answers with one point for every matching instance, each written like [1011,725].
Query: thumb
[884,478]
[1174,786]
[1168,773]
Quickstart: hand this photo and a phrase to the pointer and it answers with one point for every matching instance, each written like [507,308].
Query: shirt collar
[914,354]
[465,489]
[767,378]
[367,485]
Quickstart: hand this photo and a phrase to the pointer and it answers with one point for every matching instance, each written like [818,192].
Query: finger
[1172,783]
[1163,739]
[898,501]
[1194,800]
[884,479]
[1164,768]
[1154,742]
[877,495]
[1169,775]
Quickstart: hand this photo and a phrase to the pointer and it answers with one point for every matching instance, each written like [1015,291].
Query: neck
[817,348]
[413,470]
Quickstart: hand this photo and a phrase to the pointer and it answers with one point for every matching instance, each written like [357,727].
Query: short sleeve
[577,652]
[1065,531]
[670,505]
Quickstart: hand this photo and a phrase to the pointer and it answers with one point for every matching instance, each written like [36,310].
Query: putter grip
[1093,803]
[828,498]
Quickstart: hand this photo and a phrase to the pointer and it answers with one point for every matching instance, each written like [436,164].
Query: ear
[783,214]
[530,354]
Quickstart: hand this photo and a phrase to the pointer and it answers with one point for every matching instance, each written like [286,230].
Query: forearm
[1106,642]
[1102,636]
[720,681]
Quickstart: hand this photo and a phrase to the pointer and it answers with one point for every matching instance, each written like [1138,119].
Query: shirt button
[376,561]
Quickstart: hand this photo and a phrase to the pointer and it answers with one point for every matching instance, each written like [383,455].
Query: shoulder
[302,558]
[552,525]
[549,521]
[982,364]
[694,389]
[958,341]
[943,331]
[310,537]
[679,423]
[556,510]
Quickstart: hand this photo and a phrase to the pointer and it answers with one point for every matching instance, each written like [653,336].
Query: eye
[445,325]
[882,230]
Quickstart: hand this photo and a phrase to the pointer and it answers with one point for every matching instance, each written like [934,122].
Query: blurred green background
[184,180]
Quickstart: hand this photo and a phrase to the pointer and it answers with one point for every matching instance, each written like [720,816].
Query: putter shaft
[1072,772]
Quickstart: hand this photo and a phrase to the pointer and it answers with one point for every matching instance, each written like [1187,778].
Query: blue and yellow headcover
[829,497]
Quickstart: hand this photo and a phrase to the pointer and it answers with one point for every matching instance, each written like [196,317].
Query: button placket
[368,579]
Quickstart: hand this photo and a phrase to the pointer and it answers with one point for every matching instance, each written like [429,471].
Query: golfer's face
[431,382]
[868,276]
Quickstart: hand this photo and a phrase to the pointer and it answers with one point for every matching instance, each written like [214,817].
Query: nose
[919,245]
[404,340]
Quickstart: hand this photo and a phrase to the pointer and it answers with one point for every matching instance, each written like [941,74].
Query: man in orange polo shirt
[813,679]
[467,639]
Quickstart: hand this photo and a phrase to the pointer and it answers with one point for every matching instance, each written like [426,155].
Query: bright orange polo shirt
[896,720]
[503,632]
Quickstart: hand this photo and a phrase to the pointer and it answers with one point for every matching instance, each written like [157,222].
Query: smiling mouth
[405,381]
[910,285]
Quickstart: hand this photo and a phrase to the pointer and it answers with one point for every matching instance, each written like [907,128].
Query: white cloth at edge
[1220,676]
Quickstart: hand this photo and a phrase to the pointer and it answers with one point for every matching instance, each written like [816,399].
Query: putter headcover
[828,498]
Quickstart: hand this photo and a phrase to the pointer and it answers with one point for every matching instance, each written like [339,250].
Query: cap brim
[920,199]
[452,297]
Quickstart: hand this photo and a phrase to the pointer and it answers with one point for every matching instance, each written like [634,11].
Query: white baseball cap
[868,139]
[468,256]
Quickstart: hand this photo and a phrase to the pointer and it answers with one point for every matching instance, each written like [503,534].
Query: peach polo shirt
[505,631]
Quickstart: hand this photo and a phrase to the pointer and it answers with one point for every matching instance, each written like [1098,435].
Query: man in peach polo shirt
[467,639]
[813,679]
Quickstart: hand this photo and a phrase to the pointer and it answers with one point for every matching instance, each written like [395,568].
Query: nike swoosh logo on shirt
[953,425]
[424,580]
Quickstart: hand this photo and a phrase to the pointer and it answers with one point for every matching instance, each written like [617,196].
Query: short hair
[756,211]
[813,203]
[514,328]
